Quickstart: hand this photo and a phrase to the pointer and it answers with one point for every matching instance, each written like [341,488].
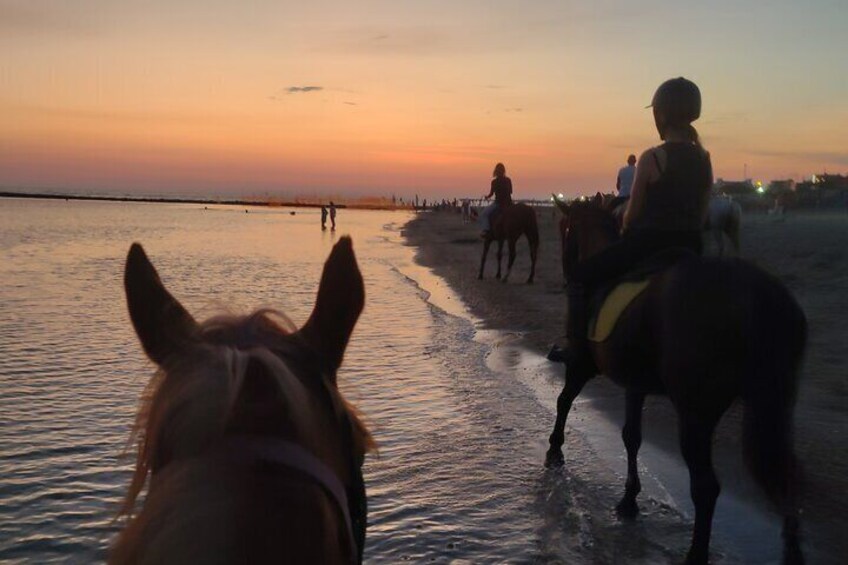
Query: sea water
[460,416]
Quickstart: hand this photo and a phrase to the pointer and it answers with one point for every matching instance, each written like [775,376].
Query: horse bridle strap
[292,456]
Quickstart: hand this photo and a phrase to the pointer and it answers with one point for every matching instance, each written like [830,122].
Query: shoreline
[206,201]
[802,250]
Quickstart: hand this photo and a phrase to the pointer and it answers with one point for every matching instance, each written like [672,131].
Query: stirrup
[571,352]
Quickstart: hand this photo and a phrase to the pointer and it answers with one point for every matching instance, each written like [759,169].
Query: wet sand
[805,250]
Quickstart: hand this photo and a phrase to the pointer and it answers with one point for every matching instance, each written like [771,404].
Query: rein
[246,449]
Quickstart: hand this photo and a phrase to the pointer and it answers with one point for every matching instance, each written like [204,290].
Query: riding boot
[576,350]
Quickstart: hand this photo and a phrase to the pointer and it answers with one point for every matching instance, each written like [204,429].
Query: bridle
[251,450]
[352,501]
[245,449]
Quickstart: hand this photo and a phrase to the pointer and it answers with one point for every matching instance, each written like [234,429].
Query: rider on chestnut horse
[502,191]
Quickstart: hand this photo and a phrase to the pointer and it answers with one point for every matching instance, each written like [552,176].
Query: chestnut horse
[705,332]
[510,223]
[249,451]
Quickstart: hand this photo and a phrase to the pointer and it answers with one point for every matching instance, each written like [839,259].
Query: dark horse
[249,450]
[705,332]
[724,218]
[510,223]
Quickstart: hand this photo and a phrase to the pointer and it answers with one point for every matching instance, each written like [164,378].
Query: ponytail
[690,130]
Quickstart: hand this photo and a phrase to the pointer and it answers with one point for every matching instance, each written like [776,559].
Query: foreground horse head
[705,332]
[248,449]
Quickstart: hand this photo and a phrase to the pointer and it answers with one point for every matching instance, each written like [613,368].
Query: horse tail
[769,390]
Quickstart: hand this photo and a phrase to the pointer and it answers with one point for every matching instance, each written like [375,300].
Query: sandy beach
[806,251]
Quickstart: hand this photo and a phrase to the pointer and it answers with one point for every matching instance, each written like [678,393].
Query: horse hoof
[479,277]
[696,558]
[554,459]
[530,281]
[627,508]
[497,277]
[792,555]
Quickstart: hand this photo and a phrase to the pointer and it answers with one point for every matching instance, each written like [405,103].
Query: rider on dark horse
[623,184]
[667,206]
[502,191]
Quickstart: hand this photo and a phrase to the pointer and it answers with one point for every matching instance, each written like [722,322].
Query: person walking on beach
[502,190]
[667,208]
[323,217]
[332,216]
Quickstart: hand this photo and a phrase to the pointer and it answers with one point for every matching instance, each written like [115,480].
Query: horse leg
[534,252]
[574,382]
[695,443]
[500,254]
[632,436]
[512,242]
[564,269]
[486,245]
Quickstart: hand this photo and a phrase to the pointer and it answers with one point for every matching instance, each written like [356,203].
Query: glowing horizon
[388,98]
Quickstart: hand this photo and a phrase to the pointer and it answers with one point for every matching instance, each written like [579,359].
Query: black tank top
[677,200]
[502,187]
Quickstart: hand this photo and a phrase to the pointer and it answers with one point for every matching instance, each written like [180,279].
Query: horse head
[243,431]
[586,227]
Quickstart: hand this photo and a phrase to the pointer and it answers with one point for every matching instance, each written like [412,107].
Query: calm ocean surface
[461,416]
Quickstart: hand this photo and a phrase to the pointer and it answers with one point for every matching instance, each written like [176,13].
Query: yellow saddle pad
[614,304]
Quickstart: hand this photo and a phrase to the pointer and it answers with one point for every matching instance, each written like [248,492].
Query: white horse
[724,218]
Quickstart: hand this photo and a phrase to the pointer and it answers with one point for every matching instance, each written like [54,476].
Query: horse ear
[563,207]
[341,296]
[160,321]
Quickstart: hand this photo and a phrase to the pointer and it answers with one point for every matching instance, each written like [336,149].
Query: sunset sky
[379,97]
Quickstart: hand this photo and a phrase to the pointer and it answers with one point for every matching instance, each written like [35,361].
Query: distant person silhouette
[624,182]
[332,216]
[502,191]
[625,177]
[323,217]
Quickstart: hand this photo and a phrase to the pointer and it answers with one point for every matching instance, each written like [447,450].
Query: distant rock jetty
[360,204]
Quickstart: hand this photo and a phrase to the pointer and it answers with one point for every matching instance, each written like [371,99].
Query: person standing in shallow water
[502,191]
[323,217]
[667,208]
[332,216]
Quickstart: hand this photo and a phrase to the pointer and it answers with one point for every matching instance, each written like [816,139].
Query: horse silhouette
[705,332]
[510,223]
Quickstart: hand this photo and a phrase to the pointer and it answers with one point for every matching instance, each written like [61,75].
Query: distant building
[776,187]
[734,187]
[823,191]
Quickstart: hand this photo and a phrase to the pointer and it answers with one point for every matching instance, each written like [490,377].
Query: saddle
[608,304]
